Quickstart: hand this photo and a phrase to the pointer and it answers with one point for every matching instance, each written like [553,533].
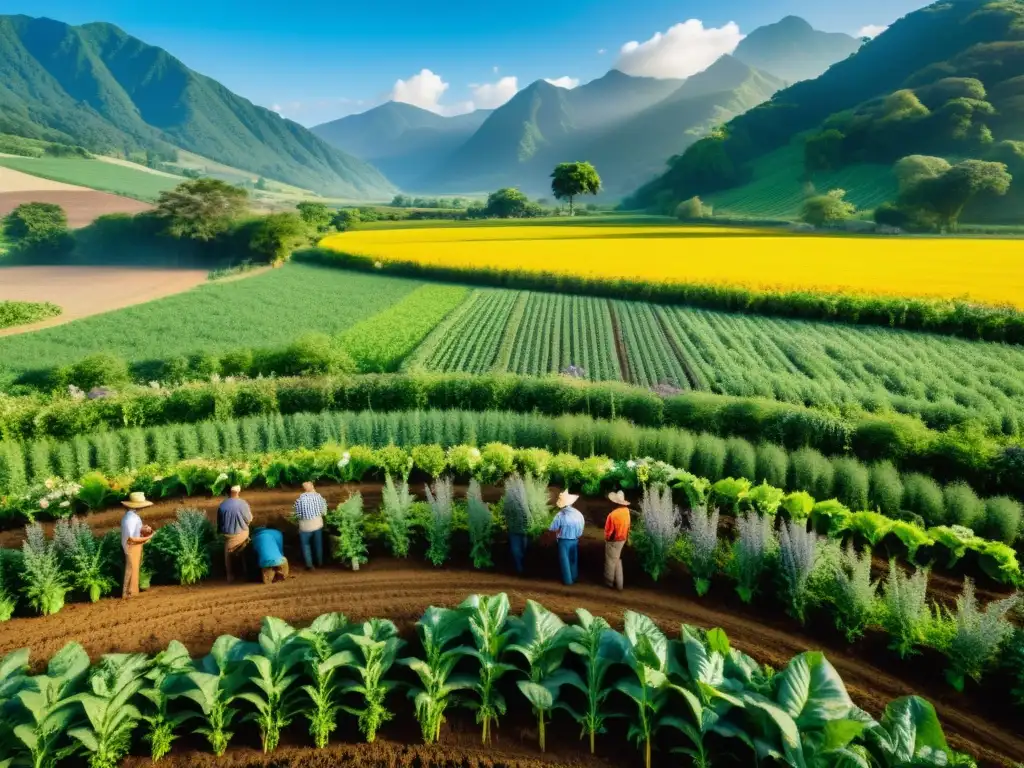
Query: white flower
[53,495]
[631,464]
[343,461]
[378,265]
[65,504]
[49,483]
[476,453]
[221,476]
[44,503]
[346,455]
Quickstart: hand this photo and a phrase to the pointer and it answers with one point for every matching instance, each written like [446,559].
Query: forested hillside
[97,86]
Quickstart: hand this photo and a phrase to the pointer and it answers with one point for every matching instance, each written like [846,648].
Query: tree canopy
[37,225]
[570,180]
[508,203]
[317,215]
[830,208]
[277,235]
[201,209]
[947,194]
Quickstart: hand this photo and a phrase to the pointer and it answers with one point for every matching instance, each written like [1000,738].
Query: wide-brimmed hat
[137,500]
[618,498]
[566,499]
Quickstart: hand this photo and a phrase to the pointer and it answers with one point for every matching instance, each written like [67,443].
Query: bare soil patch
[84,291]
[83,206]
[16,181]
[975,721]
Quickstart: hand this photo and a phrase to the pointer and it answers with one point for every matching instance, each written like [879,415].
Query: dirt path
[401,590]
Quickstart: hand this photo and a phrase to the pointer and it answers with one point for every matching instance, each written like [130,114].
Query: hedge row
[965,454]
[14,313]
[952,317]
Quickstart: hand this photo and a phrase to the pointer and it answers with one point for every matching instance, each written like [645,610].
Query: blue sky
[323,59]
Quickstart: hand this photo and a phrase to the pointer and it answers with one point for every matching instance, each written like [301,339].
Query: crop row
[472,340]
[336,672]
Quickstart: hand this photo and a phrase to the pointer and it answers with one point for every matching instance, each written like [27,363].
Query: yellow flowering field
[984,270]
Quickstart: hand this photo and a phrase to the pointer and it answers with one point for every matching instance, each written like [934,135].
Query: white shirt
[131,528]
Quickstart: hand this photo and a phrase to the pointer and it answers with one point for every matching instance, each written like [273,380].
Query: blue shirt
[569,523]
[233,516]
[269,546]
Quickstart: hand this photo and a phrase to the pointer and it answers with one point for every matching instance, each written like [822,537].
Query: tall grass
[441,499]
[657,530]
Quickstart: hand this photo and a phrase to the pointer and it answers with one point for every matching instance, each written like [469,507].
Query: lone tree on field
[201,209]
[947,194]
[828,209]
[570,180]
[37,226]
[508,203]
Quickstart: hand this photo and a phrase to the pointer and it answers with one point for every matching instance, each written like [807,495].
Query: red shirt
[616,527]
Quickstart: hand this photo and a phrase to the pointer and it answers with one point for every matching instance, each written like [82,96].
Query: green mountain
[946,80]
[403,141]
[97,86]
[793,50]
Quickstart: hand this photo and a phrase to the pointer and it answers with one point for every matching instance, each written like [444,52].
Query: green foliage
[439,526]
[98,370]
[439,630]
[396,509]
[570,180]
[322,660]
[430,459]
[1002,519]
[828,209]
[316,215]
[701,551]
[481,527]
[162,723]
[37,226]
[201,209]
[979,635]
[182,549]
[752,551]
[693,209]
[276,235]
[947,195]
[647,655]
[349,522]
[270,684]
[83,558]
[372,651]
[905,613]
[488,623]
[507,203]
[44,584]
[599,647]
[657,531]
[854,594]
[14,313]
[799,551]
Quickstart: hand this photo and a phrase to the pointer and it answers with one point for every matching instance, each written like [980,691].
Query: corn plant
[162,723]
[658,530]
[439,630]
[83,558]
[701,539]
[322,659]
[41,711]
[599,647]
[854,594]
[647,655]
[798,554]
[439,525]
[348,520]
[371,652]
[542,639]
[488,620]
[396,509]
[905,613]
[751,553]
[44,583]
[110,714]
[214,684]
[481,527]
[271,690]
[979,635]
[183,547]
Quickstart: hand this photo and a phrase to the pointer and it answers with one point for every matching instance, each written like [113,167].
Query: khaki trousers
[132,566]
[269,574]
[613,563]
[234,551]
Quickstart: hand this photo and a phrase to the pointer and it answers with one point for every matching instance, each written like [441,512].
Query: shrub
[38,226]
[481,527]
[43,583]
[701,547]
[396,509]
[348,520]
[751,552]
[439,525]
[798,555]
[709,456]
[850,483]
[430,459]
[464,459]
[533,461]
[314,354]
[83,558]
[497,461]
[98,370]
[979,635]
[811,472]
[182,548]
[961,506]
[797,505]
[692,210]
[657,531]
[772,464]
[394,461]
[886,489]
[741,459]
[1002,519]
[854,595]
[923,497]
[905,614]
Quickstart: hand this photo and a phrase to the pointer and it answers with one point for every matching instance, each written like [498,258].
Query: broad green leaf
[811,691]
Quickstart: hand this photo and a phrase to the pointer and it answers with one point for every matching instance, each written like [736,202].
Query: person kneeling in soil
[616,532]
[233,518]
[269,547]
[568,525]
[310,509]
[134,535]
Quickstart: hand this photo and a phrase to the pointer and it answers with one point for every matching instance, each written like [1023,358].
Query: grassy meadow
[95,174]
[265,310]
[983,270]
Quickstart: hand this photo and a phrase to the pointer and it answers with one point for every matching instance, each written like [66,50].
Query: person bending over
[269,547]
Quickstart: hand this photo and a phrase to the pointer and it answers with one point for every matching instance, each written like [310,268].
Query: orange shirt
[616,527]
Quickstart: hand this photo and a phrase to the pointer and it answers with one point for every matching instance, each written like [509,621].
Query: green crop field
[267,310]
[777,191]
[649,353]
[95,174]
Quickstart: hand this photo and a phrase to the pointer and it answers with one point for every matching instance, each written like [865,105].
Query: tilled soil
[83,206]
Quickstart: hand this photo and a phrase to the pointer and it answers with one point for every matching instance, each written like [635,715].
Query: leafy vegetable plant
[488,619]
[322,659]
[439,525]
[83,558]
[44,583]
[658,530]
[396,509]
[372,650]
[481,527]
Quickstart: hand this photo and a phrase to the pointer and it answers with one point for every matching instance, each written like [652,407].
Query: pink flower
[44,503]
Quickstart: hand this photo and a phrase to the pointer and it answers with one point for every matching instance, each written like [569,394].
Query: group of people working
[234,521]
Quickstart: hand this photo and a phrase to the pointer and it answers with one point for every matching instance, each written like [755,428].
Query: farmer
[568,526]
[616,532]
[269,547]
[310,509]
[233,518]
[134,535]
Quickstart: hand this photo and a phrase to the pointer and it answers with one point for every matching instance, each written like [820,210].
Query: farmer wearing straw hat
[233,518]
[616,532]
[134,535]
[568,525]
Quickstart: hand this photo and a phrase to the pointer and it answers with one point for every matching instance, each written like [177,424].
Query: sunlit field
[990,271]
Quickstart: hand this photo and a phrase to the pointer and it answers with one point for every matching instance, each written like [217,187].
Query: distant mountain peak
[792,22]
[793,50]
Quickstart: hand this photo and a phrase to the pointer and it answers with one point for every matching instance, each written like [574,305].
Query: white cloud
[493,95]
[564,82]
[872,30]
[601,51]
[684,50]
[423,90]
[276,108]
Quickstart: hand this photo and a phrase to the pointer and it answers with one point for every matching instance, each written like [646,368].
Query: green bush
[1002,520]
[850,483]
[99,370]
[923,497]
[810,471]
[740,459]
[960,503]
[38,226]
[886,489]
[709,457]
[772,464]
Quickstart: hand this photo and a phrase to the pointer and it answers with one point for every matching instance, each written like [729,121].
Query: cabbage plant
[488,623]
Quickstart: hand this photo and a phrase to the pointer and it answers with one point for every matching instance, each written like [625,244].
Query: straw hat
[236,489]
[137,500]
[618,499]
[566,499]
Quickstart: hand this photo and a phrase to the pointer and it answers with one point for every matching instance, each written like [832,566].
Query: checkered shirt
[310,505]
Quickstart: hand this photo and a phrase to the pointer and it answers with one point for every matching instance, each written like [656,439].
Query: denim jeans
[517,542]
[568,556]
[312,542]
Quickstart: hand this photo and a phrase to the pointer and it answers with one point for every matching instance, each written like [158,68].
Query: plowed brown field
[83,206]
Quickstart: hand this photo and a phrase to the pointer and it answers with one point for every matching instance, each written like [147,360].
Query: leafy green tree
[38,226]
[948,194]
[508,203]
[345,218]
[570,180]
[317,215]
[824,151]
[201,209]
[277,235]
[691,209]
[915,168]
[828,209]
